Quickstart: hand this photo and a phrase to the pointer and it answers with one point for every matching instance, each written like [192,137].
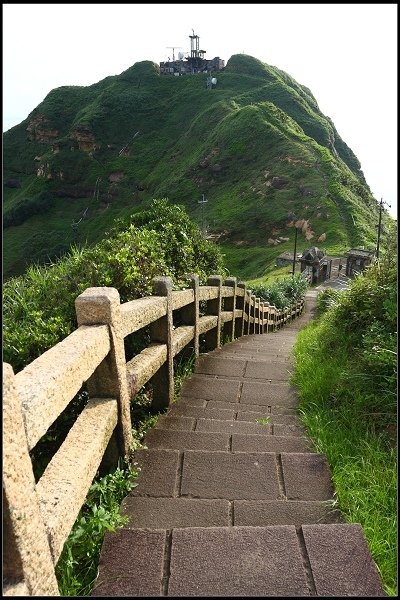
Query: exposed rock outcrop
[85,138]
[40,132]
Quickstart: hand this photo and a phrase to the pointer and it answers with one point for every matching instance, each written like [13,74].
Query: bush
[282,293]
[327,299]
[39,306]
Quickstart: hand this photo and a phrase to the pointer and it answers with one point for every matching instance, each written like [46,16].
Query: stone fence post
[252,313]
[213,336]
[258,322]
[28,565]
[230,305]
[190,313]
[161,332]
[101,306]
[241,305]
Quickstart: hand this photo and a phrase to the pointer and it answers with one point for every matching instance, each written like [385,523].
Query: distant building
[187,64]
[357,260]
[319,264]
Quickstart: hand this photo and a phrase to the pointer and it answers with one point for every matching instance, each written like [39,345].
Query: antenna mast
[173,48]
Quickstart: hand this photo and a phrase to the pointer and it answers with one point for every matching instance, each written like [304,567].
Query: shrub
[39,306]
[327,299]
[282,293]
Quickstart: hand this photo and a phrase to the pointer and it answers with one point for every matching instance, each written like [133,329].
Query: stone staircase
[231,498]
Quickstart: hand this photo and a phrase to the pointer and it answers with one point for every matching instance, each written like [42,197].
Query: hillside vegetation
[257,146]
[346,373]
[39,309]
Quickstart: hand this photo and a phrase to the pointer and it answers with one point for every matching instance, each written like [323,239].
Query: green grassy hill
[256,145]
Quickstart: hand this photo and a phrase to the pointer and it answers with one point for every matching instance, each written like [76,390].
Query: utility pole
[203,202]
[379,225]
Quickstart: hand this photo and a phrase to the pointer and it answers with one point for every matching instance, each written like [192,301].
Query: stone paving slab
[247,408]
[179,423]
[205,388]
[274,371]
[232,427]
[230,476]
[285,419]
[269,443]
[261,357]
[131,563]
[262,393]
[306,476]
[340,561]
[218,404]
[166,513]
[211,365]
[283,512]
[158,474]
[190,401]
[236,561]
[199,412]
[282,429]
[187,440]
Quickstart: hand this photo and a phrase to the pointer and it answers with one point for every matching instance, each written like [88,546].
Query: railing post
[258,312]
[190,313]
[267,305]
[230,304]
[275,319]
[27,564]
[253,313]
[241,304]
[101,306]
[213,336]
[262,317]
[161,332]
[248,302]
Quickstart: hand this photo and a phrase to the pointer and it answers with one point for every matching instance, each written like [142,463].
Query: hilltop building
[187,64]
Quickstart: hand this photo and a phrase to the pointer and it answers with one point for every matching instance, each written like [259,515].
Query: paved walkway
[232,500]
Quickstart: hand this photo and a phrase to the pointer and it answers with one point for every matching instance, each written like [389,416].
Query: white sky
[345,53]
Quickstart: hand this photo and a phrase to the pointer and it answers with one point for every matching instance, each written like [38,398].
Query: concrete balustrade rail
[38,517]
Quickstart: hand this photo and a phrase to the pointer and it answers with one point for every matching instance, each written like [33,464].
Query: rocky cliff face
[85,139]
[40,132]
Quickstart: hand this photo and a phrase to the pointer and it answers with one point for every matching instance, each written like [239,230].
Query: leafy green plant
[263,420]
[282,293]
[161,241]
[327,299]
[76,569]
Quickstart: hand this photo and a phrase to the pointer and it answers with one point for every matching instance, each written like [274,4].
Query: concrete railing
[38,517]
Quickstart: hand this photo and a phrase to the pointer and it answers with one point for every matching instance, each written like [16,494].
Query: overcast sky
[345,53]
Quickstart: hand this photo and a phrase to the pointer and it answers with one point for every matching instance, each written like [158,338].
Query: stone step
[260,392]
[170,439]
[245,427]
[256,356]
[270,443]
[255,476]
[261,427]
[167,513]
[244,369]
[232,475]
[187,440]
[273,409]
[237,412]
[318,560]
